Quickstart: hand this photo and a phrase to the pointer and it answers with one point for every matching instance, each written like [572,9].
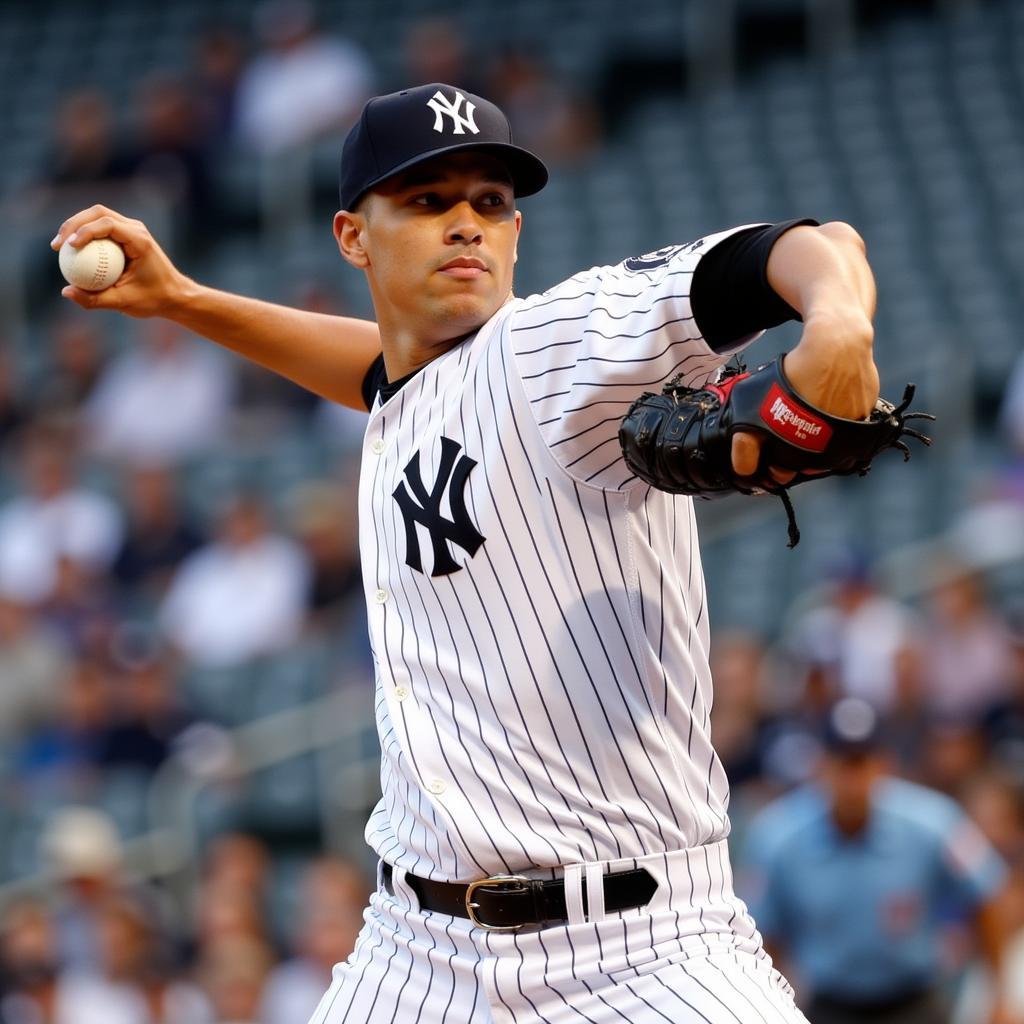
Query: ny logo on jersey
[442,106]
[424,507]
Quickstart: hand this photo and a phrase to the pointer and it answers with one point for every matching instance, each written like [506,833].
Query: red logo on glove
[792,422]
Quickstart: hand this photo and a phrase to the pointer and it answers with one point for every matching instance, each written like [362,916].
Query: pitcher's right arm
[328,355]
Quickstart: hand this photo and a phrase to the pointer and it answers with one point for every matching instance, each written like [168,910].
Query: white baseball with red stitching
[97,265]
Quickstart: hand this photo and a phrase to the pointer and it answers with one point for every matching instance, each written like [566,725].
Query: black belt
[509,902]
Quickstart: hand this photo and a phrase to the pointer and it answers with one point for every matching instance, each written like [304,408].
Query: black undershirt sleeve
[374,380]
[730,294]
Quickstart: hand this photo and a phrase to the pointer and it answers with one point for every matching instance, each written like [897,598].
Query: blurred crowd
[131,575]
[274,100]
[110,577]
[105,948]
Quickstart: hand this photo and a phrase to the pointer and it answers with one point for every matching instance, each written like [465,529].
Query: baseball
[97,265]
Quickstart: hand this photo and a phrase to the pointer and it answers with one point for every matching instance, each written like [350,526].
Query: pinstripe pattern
[692,956]
[547,703]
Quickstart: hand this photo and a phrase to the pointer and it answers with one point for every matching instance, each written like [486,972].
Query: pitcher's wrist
[840,330]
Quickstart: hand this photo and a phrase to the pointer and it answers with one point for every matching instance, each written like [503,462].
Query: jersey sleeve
[588,347]
[970,868]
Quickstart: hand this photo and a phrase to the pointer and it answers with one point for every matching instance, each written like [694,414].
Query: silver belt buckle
[504,883]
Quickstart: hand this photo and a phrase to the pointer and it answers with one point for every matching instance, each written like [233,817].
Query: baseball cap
[397,131]
[852,727]
[81,841]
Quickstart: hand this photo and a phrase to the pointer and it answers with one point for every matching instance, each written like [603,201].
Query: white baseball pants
[691,956]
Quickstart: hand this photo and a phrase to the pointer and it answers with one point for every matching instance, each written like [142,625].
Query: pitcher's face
[438,244]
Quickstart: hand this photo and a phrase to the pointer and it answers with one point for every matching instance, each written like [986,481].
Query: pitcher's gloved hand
[681,439]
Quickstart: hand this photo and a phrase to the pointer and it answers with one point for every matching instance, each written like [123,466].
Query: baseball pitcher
[552,834]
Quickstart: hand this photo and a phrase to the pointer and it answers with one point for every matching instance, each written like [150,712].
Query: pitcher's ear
[349,233]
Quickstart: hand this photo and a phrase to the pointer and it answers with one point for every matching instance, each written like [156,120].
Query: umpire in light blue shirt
[849,878]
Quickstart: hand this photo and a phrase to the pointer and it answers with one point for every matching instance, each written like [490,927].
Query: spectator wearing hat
[851,876]
[83,851]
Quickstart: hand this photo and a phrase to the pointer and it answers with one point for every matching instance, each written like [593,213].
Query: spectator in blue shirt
[850,878]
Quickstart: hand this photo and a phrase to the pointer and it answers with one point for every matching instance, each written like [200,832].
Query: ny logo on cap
[441,105]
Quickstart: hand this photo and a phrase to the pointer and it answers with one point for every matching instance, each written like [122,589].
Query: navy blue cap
[397,131]
[853,727]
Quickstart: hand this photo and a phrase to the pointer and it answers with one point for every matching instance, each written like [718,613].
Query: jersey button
[401,692]
[378,446]
[381,596]
[437,787]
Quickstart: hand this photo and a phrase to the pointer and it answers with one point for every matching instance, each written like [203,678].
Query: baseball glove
[681,440]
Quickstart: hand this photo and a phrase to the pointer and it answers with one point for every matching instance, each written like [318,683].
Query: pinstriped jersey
[537,614]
